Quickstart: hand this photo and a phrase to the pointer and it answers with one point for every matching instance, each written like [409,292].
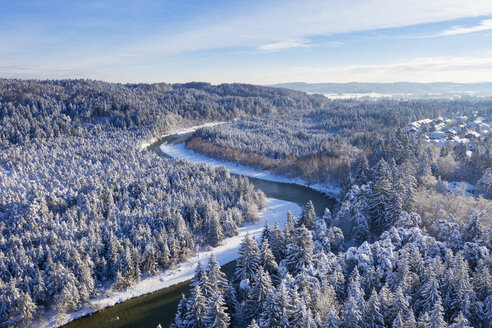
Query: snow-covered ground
[461,188]
[178,132]
[275,211]
[181,152]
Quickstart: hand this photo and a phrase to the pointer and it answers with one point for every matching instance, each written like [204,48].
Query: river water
[160,307]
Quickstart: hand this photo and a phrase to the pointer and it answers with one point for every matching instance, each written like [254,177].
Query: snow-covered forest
[401,251]
[303,276]
[83,209]
[324,144]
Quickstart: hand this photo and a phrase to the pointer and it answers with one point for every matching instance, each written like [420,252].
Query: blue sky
[261,42]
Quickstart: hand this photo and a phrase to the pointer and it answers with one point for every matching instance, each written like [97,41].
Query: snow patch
[461,188]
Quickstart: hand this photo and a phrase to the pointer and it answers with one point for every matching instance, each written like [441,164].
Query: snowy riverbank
[275,211]
[146,144]
[181,152]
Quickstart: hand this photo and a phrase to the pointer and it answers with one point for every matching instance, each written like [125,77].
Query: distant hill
[397,88]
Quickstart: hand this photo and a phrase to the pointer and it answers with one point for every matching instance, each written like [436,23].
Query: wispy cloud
[168,41]
[274,25]
[284,45]
[485,25]
[426,69]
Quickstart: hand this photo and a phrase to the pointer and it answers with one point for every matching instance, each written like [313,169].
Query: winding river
[160,307]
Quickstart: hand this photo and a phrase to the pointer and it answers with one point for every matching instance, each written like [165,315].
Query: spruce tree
[27,308]
[196,308]
[248,262]
[487,309]
[354,288]
[234,307]
[474,229]
[267,259]
[400,304]
[398,322]
[216,315]
[352,317]
[379,197]
[278,309]
[308,215]
[300,250]
[181,314]
[387,300]
[461,322]
[362,171]
[257,294]
[360,229]
[216,280]
[436,316]
[332,320]
[429,294]
[373,317]
[327,217]
[276,241]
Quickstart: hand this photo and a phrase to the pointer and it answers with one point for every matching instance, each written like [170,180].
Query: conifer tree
[429,294]
[216,282]
[482,281]
[327,217]
[198,276]
[267,259]
[400,304]
[387,300]
[360,229]
[215,230]
[354,288]
[424,320]
[460,322]
[181,314]
[474,229]
[379,197]
[278,309]
[332,320]
[308,215]
[337,280]
[196,306]
[289,227]
[436,316]
[373,317]
[234,307]
[27,308]
[276,241]
[248,261]
[258,294]
[300,250]
[216,315]
[362,171]
[265,233]
[308,286]
[398,322]
[352,316]
[487,309]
